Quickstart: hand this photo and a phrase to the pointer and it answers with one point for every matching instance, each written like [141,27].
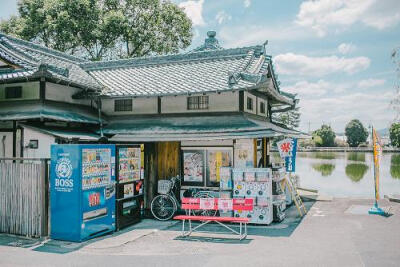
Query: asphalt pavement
[335,233]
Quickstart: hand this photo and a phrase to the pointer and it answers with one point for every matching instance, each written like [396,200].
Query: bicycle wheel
[204,194]
[163,207]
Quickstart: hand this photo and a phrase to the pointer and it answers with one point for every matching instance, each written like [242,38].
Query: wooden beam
[264,152]
[255,152]
[241,101]
[14,152]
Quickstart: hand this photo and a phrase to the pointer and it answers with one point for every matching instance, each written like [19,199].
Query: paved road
[337,233]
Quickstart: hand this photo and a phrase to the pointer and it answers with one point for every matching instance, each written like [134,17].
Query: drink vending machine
[129,187]
[82,191]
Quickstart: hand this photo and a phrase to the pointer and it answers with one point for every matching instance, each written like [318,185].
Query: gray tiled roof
[29,57]
[187,127]
[173,75]
[209,68]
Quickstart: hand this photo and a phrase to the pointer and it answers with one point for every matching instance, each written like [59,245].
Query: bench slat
[237,204]
[211,218]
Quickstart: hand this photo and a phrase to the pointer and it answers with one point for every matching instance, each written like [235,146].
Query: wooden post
[255,152]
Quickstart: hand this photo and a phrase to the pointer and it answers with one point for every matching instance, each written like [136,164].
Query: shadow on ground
[283,229]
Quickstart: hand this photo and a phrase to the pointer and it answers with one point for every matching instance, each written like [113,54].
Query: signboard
[193,166]
[287,150]
[206,203]
[377,154]
[225,204]
[244,150]
[215,160]
[64,181]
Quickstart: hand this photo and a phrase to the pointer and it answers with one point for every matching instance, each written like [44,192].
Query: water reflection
[395,166]
[356,171]
[356,156]
[325,169]
[324,155]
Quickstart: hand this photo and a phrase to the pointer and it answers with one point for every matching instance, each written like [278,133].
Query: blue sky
[335,54]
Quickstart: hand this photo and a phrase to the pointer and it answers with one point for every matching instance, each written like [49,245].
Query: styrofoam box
[240,213]
[251,189]
[249,176]
[239,189]
[263,175]
[264,201]
[237,175]
[263,215]
[263,189]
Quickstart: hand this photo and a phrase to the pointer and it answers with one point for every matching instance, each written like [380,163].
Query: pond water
[346,174]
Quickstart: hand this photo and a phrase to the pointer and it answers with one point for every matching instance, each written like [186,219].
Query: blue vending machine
[82,191]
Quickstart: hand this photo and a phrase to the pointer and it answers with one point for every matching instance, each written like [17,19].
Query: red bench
[192,204]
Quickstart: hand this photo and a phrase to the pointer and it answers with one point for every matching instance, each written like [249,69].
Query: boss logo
[64,172]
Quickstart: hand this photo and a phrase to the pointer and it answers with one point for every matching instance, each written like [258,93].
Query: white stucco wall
[228,101]
[45,141]
[30,91]
[140,105]
[63,93]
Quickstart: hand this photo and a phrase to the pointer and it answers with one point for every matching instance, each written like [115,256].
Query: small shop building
[193,112]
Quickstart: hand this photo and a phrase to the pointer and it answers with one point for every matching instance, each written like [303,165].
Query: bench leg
[183,227]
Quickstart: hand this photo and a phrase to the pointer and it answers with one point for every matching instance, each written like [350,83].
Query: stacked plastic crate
[256,184]
[278,194]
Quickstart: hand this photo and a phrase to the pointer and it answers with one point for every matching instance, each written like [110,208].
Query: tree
[289,118]
[102,29]
[394,133]
[355,133]
[327,136]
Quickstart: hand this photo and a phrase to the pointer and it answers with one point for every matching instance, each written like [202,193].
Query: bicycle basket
[164,186]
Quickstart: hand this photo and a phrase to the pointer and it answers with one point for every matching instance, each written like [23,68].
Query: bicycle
[165,205]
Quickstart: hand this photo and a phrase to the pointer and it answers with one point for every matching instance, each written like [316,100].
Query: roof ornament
[264,51]
[210,43]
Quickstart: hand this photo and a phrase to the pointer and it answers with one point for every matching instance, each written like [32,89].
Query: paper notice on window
[206,203]
[225,204]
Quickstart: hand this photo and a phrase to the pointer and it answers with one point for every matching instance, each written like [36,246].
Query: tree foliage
[327,136]
[355,133]
[102,29]
[289,118]
[394,133]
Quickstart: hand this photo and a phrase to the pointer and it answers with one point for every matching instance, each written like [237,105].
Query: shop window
[197,102]
[262,107]
[14,92]
[123,105]
[249,103]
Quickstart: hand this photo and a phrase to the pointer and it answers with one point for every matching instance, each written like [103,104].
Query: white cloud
[222,17]
[194,10]
[370,83]
[290,63]
[322,14]
[320,88]
[340,109]
[246,3]
[346,48]
[254,34]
